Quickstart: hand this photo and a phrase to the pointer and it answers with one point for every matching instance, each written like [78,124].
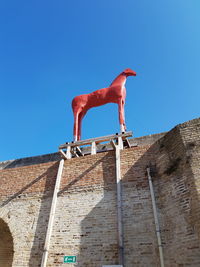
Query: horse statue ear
[127,71]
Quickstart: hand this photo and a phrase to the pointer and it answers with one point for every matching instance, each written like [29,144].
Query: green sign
[69,259]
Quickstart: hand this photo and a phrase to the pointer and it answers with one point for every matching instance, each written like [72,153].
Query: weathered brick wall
[25,202]
[140,244]
[190,132]
[177,189]
[85,220]
[88,201]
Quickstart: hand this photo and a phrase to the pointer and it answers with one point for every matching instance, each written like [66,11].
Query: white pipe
[119,200]
[156,218]
[52,214]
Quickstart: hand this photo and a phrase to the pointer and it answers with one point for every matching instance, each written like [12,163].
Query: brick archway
[6,245]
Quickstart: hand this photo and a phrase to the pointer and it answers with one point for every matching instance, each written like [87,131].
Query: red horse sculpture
[115,93]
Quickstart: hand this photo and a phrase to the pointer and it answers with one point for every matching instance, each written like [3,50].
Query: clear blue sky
[51,51]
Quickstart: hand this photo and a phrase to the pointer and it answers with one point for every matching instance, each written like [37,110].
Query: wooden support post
[120,142]
[117,148]
[113,144]
[68,153]
[93,148]
[52,214]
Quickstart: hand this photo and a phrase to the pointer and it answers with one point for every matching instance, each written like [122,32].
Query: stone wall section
[140,243]
[25,200]
[176,180]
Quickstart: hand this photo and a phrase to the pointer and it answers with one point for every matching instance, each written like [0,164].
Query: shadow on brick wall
[176,189]
[43,215]
[99,235]
[98,243]
[98,238]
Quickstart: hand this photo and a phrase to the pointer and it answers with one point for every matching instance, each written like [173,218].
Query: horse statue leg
[121,115]
[80,118]
[76,124]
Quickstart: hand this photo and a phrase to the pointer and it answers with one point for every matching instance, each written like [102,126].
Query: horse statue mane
[115,93]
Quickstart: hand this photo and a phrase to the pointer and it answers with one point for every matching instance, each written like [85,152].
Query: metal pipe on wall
[156,218]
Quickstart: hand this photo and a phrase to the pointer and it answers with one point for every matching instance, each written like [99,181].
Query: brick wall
[177,190]
[85,220]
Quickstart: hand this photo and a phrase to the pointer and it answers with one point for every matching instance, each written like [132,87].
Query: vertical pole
[156,218]
[120,142]
[52,214]
[93,148]
[68,152]
[119,200]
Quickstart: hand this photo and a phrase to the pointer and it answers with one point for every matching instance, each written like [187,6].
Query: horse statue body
[115,93]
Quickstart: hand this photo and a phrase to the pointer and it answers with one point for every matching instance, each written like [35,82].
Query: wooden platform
[76,149]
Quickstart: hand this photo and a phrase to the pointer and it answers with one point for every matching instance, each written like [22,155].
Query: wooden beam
[113,144]
[52,214]
[97,140]
[74,153]
[79,151]
[63,154]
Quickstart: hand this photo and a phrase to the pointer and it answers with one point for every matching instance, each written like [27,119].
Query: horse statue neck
[119,80]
